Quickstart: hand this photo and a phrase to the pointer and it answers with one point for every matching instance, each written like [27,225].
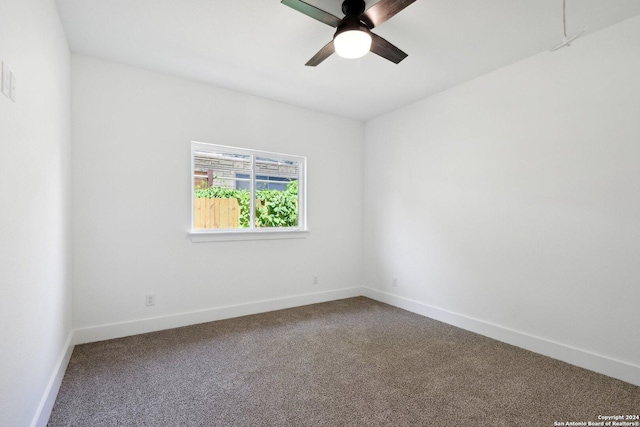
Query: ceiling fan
[353,37]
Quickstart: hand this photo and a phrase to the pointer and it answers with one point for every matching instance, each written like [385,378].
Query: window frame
[253,232]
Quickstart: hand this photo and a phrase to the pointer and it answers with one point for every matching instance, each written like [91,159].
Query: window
[245,194]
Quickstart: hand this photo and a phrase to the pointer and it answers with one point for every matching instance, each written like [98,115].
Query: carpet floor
[353,362]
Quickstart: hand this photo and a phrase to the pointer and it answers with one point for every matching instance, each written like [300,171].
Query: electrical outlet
[394,282]
[6,80]
[315,280]
[150,299]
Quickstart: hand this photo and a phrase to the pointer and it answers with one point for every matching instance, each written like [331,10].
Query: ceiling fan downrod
[353,7]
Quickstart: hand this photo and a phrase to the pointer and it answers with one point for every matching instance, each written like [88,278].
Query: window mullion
[252,186]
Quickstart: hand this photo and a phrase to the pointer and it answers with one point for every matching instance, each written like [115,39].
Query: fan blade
[322,54]
[313,12]
[382,11]
[383,48]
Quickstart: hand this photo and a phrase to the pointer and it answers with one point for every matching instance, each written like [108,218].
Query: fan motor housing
[353,7]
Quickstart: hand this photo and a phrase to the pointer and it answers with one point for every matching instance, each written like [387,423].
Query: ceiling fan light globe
[352,44]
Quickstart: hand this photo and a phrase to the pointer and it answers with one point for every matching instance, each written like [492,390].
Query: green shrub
[273,208]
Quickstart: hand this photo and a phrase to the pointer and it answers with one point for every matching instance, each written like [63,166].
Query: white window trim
[227,236]
[271,233]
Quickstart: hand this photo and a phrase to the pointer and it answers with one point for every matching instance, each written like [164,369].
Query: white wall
[35,284]
[131,136]
[514,199]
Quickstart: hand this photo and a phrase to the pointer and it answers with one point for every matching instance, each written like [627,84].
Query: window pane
[276,193]
[222,196]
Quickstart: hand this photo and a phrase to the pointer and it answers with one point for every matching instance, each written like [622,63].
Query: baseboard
[43,413]
[141,326]
[584,359]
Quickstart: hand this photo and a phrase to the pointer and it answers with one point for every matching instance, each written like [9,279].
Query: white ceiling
[260,46]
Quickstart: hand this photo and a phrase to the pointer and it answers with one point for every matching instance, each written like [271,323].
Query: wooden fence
[216,213]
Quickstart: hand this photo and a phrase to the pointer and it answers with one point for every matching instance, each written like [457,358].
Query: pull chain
[564,17]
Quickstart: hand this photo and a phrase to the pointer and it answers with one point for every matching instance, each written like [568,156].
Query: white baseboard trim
[141,326]
[594,362]
[43,413]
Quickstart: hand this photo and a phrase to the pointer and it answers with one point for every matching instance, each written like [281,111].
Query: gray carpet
[354,362]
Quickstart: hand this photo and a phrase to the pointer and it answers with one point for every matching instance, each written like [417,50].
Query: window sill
[226,236]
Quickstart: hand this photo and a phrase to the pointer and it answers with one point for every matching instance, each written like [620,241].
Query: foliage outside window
[245,190]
